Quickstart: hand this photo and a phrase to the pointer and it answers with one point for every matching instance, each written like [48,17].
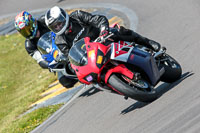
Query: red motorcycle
[123,68]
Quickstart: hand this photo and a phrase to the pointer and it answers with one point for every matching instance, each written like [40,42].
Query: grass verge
[21,81]
[30,121]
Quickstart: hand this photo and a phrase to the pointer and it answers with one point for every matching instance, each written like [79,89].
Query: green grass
[32,120]
[21,80]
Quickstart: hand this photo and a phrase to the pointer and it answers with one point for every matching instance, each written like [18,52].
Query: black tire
[173,71]
[130,91]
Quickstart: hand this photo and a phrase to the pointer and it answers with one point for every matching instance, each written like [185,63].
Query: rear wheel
[173,69]
[139,90]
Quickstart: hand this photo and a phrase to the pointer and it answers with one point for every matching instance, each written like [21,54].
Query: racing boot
[155,46]
[131,36]
[151,44]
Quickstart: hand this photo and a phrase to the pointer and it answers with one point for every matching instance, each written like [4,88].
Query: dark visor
[58,24]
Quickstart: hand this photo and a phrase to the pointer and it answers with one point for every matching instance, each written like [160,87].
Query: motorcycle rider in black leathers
[80,24]
[32,30]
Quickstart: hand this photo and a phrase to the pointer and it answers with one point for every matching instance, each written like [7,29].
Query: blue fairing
[53,35]
[146,62]
[48,57]
[49,35]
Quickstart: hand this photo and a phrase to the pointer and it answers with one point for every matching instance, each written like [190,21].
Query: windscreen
[45,43]
[78,53]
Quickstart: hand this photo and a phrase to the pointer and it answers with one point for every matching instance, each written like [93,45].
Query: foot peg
[125,97]
[163,49]
[161,52]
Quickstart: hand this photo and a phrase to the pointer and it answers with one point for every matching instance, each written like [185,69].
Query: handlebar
[101,39]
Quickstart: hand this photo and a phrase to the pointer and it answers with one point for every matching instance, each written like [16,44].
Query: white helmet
[57,20]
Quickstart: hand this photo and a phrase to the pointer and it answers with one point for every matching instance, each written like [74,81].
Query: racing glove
[38,57]
[104,32]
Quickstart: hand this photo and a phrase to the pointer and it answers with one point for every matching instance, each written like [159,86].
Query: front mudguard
[119,69]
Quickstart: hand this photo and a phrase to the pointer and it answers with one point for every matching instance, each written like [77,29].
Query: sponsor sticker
[21,25]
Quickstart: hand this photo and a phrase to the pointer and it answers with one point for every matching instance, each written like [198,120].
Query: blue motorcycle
[51,53]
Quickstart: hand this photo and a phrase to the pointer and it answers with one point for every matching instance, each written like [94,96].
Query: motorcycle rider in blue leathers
[32,30]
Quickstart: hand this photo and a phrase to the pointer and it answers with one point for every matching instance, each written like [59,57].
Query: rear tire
[131,91]
[173,70]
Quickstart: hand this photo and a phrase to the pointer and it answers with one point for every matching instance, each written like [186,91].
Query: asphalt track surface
[176,25]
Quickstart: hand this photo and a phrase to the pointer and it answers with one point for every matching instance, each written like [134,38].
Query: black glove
[115,37]
[104,33]
[61,58]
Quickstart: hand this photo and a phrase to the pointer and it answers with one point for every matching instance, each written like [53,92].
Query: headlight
[55,54]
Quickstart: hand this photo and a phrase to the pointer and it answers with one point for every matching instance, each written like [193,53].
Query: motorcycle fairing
[120,51]
[48,38]
[123,52]
[95,53]
[119,69]
[145,61]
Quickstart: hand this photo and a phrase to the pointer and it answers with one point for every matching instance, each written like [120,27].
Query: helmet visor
[58,24]
[30,30]
[26,32]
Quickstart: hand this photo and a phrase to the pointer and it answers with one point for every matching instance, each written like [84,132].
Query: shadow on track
[90,92]
[133,107]
[163,88]
[60,1]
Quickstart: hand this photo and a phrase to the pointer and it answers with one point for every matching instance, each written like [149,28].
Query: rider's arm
[35,54]
[42,19]
[85,18]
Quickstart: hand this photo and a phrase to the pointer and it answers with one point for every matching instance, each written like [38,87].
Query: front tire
[131,91]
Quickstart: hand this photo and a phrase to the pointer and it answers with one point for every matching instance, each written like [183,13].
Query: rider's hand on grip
[115,37]
[61,58]
[104,33]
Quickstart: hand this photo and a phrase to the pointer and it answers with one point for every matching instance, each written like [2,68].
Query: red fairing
[115,25]
[91,67]
[119,52]
[119,69]
[118,49]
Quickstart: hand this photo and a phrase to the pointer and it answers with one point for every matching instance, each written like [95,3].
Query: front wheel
[140,91]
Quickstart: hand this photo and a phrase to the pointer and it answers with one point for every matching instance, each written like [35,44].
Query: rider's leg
[131,36]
